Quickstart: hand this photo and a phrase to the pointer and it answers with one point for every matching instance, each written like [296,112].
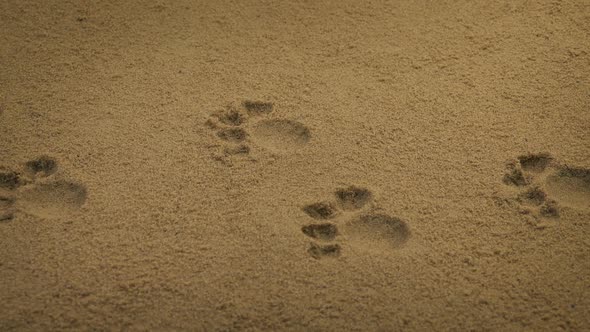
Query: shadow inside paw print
[353,198]
[320,210]
[535,163]
[533,196]
[256,107]
[42,166]
[324,231]
[240,149]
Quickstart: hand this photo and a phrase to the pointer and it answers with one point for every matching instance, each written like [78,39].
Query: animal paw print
[544,185]
[238,127]
[347,218]
[35,190]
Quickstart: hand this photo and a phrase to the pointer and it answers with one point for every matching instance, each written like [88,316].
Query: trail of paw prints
[544,186]
[34,190]
[351,216]
[238,127]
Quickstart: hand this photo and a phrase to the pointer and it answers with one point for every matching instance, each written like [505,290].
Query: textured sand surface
[295,165]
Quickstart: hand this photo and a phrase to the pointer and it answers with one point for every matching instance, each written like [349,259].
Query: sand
[295,165]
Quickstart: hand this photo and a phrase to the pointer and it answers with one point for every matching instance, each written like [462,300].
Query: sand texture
[295,165]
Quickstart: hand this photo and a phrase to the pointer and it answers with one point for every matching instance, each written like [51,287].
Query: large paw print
[346,219]
[544,185]
[238,127]
[35,190]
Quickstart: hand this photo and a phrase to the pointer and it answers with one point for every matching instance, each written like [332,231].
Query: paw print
[35,190]
[351,216]
[544,185]
[239,127]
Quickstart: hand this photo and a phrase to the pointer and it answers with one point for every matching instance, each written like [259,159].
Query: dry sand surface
[295,165]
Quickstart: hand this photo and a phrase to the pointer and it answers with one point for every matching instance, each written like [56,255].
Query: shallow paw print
[524,173]
[346,219]
[238,127]
[544,186]
[36,191]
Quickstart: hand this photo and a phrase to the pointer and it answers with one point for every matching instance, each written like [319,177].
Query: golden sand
[295,165]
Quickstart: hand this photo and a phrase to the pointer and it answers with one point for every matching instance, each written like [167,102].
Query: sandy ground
[295,165]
